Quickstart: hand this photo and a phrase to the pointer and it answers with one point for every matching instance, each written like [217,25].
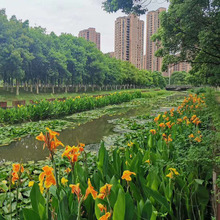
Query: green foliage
[127,6]
[152,193]
[178,78]
[190,33]
[45,110]
[33,57]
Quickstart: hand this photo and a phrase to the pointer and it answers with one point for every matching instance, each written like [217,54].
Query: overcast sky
[70,16]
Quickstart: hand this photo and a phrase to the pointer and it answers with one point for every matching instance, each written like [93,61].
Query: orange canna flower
[52,133]
[179,120]
[162,125]
[67,170]
[41,137]
[153,131]
[102,207]
[49,181]
[90,190]
[147,161]
[72,153]
[167,119]
[157,118]
[104,191]
[81,147]
[17,167]
[76,190]
[15,177]
[127,175]
[106,216]
[185,117]
[198,139]
[50,140]
[191,136]
[46,178]
[168,124]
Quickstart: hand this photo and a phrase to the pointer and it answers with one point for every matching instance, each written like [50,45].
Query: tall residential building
[90,34]
[129,39]
[182,66]
[152,62]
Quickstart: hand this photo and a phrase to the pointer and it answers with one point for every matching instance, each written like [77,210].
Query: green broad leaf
[103,160]
[135,191]
[119,207]
[2,198]
[53,190]
[147,210]
[202,195]
[30,214]
[37,199]
[129,207]
[63,211]
[150,141]
[159,198]
[199,181]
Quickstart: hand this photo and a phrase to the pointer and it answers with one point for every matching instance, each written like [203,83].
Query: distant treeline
[31,57]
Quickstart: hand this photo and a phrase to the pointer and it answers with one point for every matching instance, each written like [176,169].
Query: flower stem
[79,209]
[47,205]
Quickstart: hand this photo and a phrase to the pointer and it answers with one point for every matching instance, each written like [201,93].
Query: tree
[127,6]
[178,78]
[190,32]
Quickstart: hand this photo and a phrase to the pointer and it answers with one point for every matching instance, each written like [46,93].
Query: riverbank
[10,133]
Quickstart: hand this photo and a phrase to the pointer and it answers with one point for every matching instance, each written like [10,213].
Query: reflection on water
[92,132]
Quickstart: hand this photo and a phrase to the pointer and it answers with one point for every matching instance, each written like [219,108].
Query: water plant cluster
[45,110]
[13,132]
[163,169]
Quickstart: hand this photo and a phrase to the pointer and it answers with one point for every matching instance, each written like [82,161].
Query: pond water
[92,132]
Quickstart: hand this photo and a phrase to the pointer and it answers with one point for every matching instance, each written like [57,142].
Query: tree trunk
[17,87]
[85,88]
[77,88]
[53,89]
[45,87]
[66,89]
[12,88]
[31,87]
[37,87]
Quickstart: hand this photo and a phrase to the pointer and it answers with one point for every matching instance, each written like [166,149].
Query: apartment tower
[152,62]
[129,39]
[90,34]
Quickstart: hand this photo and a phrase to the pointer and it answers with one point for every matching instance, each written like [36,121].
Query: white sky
[70,16]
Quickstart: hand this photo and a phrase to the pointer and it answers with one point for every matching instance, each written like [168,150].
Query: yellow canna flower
[174,170]
[31,183]
[130,144]
[64,181]
[170,175]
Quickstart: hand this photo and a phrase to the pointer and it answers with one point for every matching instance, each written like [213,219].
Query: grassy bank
[10,133]
[7,96]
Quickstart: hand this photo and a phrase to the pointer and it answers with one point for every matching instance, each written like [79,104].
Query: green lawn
[9,97]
